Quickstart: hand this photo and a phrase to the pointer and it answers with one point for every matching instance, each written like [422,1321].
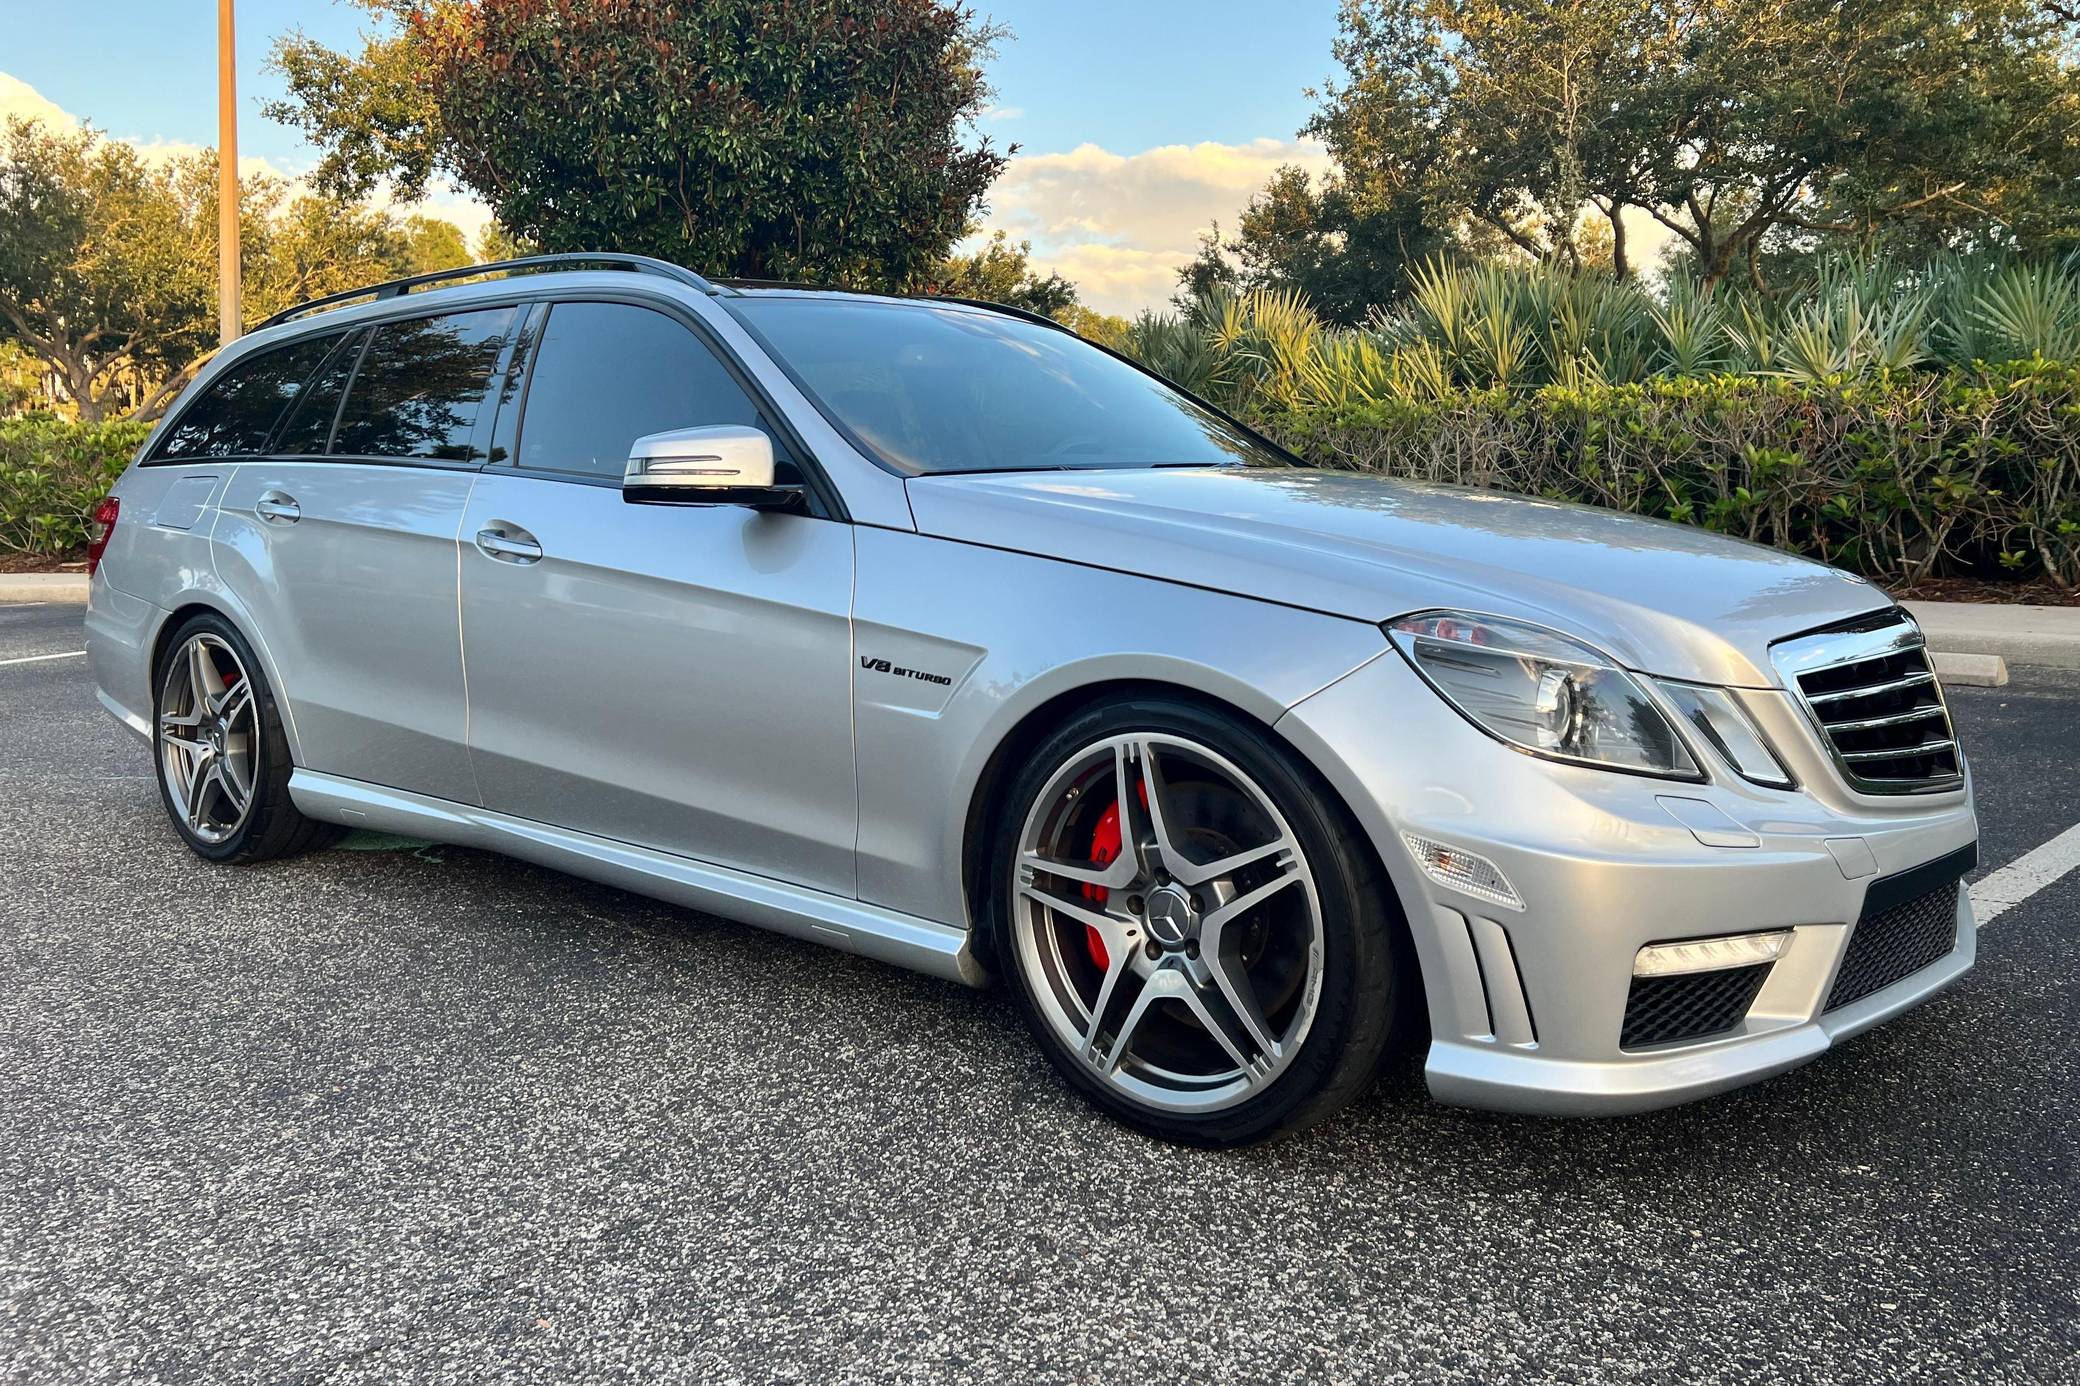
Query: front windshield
[941,388]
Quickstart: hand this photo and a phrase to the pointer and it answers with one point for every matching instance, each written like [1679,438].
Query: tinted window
[235,415]
[608,373]
[420,386]
[947,389]
[309,425]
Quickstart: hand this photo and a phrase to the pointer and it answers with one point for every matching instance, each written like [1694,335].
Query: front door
[677,677]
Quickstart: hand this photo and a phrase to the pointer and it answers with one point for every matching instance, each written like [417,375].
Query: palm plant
[1488,326]
[2030,311]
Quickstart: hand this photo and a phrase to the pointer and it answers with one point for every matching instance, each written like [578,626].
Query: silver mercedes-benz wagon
[927,630]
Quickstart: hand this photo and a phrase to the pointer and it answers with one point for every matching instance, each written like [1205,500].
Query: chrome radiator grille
[1877,704]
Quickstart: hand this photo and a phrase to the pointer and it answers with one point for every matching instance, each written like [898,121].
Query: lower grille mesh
[1662,1010]
[1893,945]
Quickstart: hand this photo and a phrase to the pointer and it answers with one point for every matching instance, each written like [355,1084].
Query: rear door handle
[509,544]
[278,507]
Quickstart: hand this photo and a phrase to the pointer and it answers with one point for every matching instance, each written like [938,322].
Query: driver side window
[606,374]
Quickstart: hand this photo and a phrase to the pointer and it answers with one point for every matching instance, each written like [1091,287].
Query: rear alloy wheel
[1188,931]
[209,738]
[220,752]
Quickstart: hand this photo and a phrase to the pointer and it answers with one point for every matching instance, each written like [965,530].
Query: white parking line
[33,659]
[1996,894]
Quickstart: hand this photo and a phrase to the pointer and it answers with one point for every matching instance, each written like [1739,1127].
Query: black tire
[1369,986]
[272,827]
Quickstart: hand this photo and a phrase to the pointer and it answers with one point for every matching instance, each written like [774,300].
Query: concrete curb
[2046,635]
[43,587]
[1971,670]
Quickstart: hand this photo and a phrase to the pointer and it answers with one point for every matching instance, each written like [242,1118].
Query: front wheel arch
[984,806]
[1374,999]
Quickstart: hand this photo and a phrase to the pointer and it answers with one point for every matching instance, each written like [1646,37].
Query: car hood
[1659,597]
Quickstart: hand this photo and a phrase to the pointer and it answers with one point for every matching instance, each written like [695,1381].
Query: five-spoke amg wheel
[222,758]
[1197,936]
[209,740]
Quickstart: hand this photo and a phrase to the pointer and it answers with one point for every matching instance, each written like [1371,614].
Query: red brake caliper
[1105,849]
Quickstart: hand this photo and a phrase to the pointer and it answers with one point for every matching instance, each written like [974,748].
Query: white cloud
[1122,225]
[1003,113]
[18,98]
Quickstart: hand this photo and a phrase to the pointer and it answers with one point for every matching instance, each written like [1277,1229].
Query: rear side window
[608,373]
[237,413]
[421,387]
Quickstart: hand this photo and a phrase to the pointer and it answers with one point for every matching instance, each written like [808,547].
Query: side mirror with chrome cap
[726,464]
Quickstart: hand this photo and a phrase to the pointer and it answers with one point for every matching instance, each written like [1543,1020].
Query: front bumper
[1527,1007]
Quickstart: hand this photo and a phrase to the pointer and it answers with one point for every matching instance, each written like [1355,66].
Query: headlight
[1722,722]
[1543,693]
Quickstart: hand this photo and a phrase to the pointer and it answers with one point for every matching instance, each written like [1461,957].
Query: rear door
[343,545]
[678,677]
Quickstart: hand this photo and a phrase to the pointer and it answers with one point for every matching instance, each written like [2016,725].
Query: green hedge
[51,475]
[1916,475]
[1897,478]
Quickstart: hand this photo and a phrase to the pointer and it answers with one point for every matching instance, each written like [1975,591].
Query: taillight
[104,521]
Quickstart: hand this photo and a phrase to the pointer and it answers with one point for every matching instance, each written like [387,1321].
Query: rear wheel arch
[220,757]
[192,606]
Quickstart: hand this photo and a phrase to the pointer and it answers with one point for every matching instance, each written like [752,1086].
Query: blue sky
[1138,121]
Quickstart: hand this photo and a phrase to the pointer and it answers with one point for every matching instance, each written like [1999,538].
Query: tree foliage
[1731,122]
[103,275]
[1342,253]
[1000,272]
[757,138]
[108,261]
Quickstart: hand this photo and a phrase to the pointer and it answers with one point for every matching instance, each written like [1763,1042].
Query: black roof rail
[398,288]
[1008,309]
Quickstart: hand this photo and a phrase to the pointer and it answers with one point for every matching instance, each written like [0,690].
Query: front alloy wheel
[1173,938]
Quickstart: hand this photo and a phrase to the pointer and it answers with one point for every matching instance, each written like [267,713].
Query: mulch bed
[74,562]
[2035,593]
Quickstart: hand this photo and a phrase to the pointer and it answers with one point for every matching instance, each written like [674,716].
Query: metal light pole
[227,179]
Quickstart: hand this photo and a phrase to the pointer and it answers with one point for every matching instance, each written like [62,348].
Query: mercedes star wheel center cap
[1171,918]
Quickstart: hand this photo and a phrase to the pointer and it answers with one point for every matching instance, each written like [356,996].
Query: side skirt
[922,945]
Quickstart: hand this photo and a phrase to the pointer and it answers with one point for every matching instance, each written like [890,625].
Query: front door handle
[279,507]
[509,544]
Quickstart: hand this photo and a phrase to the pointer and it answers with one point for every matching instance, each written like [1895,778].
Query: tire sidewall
[271,759]
[1353,943]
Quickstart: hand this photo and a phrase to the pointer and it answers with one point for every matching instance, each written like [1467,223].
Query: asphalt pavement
[406,1113]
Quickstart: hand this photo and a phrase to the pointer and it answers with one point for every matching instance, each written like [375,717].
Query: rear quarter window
[236,414]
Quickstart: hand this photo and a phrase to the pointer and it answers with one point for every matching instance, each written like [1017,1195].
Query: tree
[105,264]
[1106,329]
[315,245]
[494,242]
[1728,121]
[754,138]
[108,263]
[1342,255]
[1000,272]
